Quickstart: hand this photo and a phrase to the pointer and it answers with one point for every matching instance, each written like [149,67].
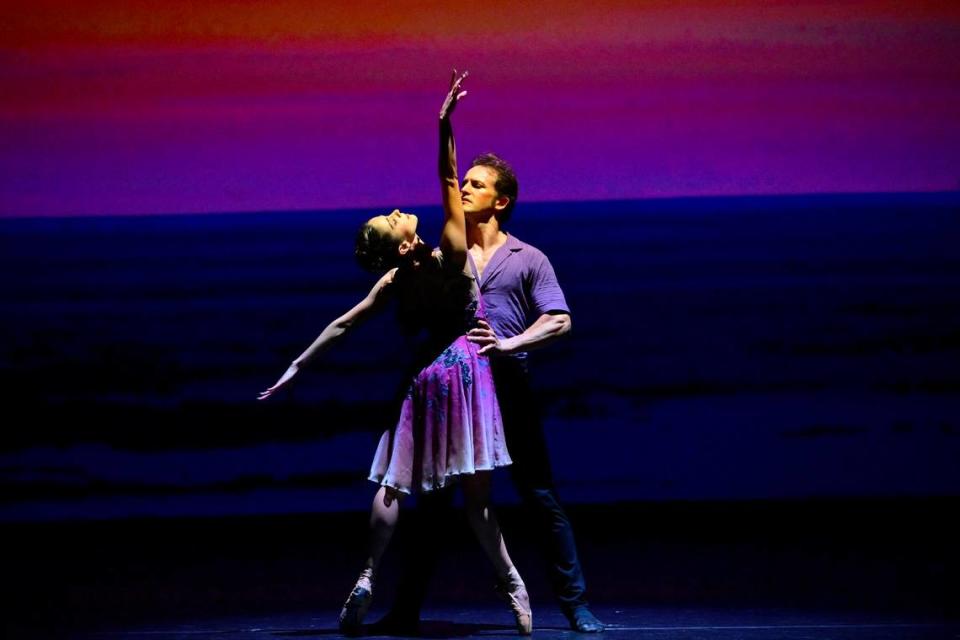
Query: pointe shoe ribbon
[515,594]
[357,604]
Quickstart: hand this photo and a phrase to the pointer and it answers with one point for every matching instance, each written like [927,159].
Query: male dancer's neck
[484,234]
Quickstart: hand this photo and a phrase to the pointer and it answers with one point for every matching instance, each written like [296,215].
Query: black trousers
[533,479]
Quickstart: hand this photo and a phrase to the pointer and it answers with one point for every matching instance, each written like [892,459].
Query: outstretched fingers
[454,94]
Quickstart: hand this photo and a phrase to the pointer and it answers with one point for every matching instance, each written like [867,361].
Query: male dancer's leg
[534,481]
[428,522]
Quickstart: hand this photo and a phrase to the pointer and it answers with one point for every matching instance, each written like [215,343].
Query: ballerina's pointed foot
[357,604]
[514,592]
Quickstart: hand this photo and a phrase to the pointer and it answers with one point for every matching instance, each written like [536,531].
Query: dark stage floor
[625,622]
[836,569]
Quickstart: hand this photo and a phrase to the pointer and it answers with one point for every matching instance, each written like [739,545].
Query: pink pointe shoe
[514,592]
[357,604]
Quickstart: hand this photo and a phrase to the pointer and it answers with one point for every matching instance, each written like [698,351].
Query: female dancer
[449,426]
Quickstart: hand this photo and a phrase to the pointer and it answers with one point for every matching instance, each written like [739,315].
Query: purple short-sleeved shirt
[519,285]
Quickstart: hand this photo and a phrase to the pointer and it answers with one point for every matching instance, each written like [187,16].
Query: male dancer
[517,283]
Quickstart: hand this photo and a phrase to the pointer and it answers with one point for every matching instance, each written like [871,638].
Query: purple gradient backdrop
[147,107]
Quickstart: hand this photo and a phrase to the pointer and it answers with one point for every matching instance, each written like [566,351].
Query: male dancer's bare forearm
[547,329]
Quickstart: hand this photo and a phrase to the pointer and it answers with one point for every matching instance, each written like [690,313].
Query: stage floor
[817,571]
[624,622]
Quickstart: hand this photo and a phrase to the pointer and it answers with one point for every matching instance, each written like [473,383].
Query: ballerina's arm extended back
[453,245]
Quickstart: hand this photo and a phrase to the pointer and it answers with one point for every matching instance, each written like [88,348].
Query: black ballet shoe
[582,620]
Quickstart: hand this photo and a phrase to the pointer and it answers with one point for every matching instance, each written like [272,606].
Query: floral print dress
[450,421]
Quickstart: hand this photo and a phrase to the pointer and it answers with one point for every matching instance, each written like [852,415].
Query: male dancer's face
[478,194]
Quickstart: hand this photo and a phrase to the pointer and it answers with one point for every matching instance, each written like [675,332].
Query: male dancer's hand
[490,343]
[454,95]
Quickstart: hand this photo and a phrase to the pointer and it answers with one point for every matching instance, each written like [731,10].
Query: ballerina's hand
[453,95]
[284,379]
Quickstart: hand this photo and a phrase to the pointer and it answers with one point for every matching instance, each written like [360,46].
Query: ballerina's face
[402,227]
